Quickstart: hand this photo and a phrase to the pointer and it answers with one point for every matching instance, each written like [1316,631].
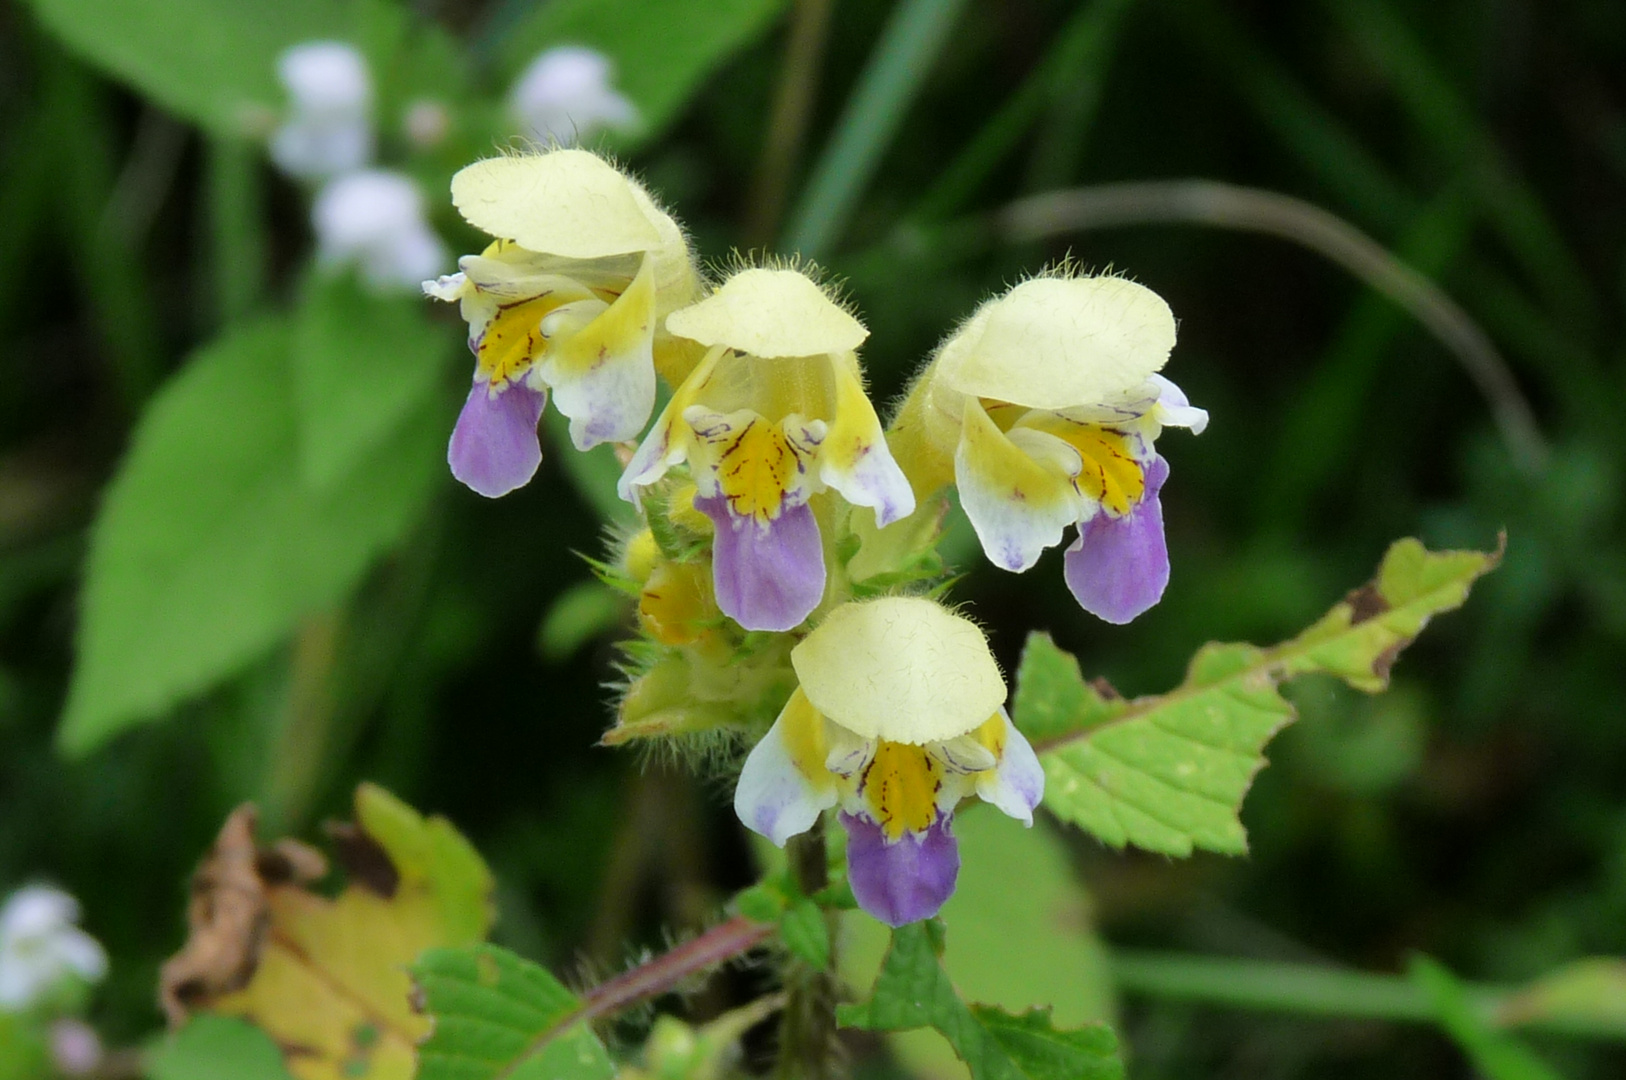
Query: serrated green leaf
[210,548]
[660,48]
[1043,1052]
[1012,947]
[913,991]
[806,933]
[1496,1055]
[211,1047]
[1168,773]
[498,1015]
[363,365]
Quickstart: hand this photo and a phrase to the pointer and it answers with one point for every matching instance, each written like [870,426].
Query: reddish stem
[722,942]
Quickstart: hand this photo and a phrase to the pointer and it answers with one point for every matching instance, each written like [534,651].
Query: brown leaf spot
[1365,603]
[289,862]
[1386,659]
[1105,690]
[227,914]
[364,859]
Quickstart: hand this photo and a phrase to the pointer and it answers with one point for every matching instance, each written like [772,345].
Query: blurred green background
[453,649]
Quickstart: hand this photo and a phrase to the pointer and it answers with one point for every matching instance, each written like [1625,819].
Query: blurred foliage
[384,624]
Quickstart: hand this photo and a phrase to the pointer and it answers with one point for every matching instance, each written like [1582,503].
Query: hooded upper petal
[563,202]
[1056,342]
[770,314]
[900,668]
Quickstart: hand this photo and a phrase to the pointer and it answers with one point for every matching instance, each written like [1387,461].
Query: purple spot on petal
[1118,567]
[494,448]
[904,881]
[767,577]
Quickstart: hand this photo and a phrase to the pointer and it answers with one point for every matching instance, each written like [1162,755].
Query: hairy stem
[807,1027]
[716,946]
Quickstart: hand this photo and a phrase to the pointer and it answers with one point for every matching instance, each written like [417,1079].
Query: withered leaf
[326,978]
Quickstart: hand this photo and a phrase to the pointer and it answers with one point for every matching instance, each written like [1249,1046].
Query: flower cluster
[1043,409]
[569,297]
[778,570]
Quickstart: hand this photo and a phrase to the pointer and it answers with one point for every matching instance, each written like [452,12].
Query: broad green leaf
[661,49]
[213,63]
[364,365]
[498,1015]
[23,1053]
[1168,773]
[211,1047]
[327,978]
[913,991]
[1589,994]
[210,547]
[1494,1054]
[1011,947]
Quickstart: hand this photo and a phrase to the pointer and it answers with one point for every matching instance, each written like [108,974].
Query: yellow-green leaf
[1168,773]
[325,978]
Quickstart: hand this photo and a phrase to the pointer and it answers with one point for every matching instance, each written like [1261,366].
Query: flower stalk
[807,1027]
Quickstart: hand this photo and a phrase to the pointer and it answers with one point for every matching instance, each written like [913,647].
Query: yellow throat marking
[514,341]
[758,464]
[1110,475]
[901,785]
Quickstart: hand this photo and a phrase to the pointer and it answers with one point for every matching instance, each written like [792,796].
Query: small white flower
[40,946]
[565,95]
[329,127]
[374,219]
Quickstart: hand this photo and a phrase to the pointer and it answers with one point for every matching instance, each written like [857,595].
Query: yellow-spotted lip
[1058,343]
[899,668]
[769,313]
